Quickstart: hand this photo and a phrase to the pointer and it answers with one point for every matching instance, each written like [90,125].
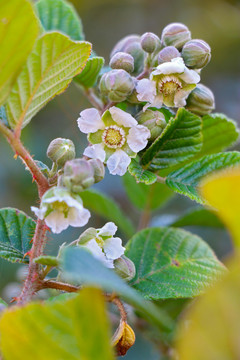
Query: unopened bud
[196,54]
[150,42]
[98,168]
[116,85]
[123,61]
[78,175]
[125,268]
[176,34]
[124,338]
[201,100]
[61,150]
[131,45]
[167,54]
[154,120]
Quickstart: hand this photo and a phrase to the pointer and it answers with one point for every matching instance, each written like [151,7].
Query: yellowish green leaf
[222,191]
[18,32]
[54,61]
[75,329]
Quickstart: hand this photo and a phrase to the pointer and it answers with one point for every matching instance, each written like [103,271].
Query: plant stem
[32,280]
[94,99]
[50,284]
[27,159]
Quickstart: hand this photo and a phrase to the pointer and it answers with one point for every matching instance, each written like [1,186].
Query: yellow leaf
[222,191]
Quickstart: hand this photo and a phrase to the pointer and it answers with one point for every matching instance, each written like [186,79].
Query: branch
[50,284]
[27,159]
[93,99]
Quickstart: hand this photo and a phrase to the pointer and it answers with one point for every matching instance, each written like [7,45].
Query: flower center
[114,137]
[99,241]
[60,206]
[169,85]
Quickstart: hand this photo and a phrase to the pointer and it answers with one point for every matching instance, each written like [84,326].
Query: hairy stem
[27,159]
[32,280]
[50,284]
[94,99]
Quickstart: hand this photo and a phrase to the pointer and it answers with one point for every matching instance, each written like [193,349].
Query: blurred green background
[105,22]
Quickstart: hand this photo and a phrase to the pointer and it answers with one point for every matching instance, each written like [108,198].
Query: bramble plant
[150,121]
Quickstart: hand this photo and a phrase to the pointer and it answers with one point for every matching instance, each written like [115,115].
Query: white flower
[60,209]
[170,84]
[116,137]
[102,245]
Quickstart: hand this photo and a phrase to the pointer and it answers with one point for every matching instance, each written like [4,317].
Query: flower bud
[201,100]
[167,54]
[125,268]
[78,175]
[150,42]
[123,61]
[196,54]
[131,45]
[153,120]
[123,339]
[61,150]
[176,34]
[116,85]
[98,168]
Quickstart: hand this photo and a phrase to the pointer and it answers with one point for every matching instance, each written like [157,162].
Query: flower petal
[175,66]
[137,138]
[40,213]
[146,90]
[113,248]
[118,163]
[57,222]
[190,76]
[90,121]
[95,151]
[96,251]
[180,97]
[108,229]
[78,217]
[122,117]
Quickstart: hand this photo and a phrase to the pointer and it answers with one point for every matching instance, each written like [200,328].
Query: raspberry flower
[170,84]
[60,209]
[116,137]
[102,245]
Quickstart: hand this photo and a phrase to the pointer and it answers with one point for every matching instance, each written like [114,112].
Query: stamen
[114,137]
[168,85]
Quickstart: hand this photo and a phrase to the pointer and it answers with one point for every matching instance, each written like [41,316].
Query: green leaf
[60,15]
[103,205]
[198,216]
[186,180]
[171,263]
[90,73]
[18,31]
[180,140]
[75,329]
[146,196]
[55,60]
[16,232]
[47,260]
[43,167]
[141,175]
[81,267]
[219,132]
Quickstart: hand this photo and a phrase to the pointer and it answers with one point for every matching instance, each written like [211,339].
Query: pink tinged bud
[61,150]
[201,100]
[175,34]
[116,85]
[150,42]
[78,175]
[167,54]
[196,54]
[122,61]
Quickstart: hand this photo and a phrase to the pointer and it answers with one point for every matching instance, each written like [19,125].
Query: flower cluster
[145,72]
[147,78]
